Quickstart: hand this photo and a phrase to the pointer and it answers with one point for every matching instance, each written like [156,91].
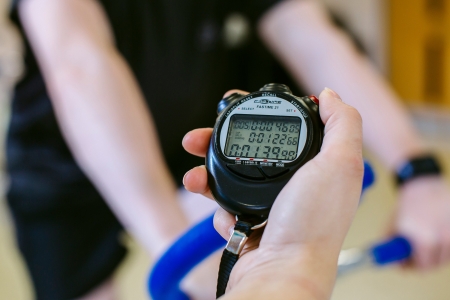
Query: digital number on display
[265,137]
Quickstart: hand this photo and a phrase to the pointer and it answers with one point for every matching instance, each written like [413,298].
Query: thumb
[343,127]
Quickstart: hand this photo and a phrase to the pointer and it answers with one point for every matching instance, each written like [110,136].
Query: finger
[343,133]
[426,254]
[231,92]
[343,124]
[196,142]
[196,181]
[391,231]
[224,223]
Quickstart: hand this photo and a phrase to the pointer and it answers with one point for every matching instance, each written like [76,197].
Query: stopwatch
[258,142]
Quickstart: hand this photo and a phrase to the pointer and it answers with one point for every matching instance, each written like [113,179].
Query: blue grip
[394,250]
[188,251]
[369,176]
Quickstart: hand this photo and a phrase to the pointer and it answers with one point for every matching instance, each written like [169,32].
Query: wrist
[425,184]
[154,218]
[418,167]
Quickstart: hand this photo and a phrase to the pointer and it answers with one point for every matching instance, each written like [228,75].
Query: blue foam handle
[188,251]
[395,250]
[192,248]
[369,176]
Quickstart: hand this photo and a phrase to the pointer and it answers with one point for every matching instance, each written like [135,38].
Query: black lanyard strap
[241,233]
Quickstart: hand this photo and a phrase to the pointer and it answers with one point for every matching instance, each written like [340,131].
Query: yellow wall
[420,50]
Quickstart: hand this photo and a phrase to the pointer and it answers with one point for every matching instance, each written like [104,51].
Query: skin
[75,48]
[120,153]
[125,134]
[330,59]
[296,257]
[423,216]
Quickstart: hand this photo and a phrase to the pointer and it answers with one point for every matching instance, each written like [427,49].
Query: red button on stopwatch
[314,99]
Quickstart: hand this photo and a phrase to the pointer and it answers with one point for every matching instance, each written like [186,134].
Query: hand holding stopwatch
[259,141]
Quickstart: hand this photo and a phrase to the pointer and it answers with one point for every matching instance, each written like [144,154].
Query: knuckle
[349,162]
[353,114]
[355,165]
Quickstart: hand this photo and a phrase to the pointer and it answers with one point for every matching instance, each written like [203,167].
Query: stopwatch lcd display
[264,137]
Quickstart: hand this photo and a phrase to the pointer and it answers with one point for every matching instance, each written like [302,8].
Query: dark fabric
[70,246]
[175,49]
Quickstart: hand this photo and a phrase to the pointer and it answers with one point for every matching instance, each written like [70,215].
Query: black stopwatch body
[258,142]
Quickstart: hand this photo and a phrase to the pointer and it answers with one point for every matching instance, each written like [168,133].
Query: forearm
[103,116]
[319,55]
[108,128]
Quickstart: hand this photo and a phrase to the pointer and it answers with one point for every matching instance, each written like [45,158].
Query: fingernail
[333,93]
[185,176]
[184,137]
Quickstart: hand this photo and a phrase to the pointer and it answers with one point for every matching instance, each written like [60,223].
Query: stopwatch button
[276,87]
[227,101]
[251,172]
[314,99]
[272,172]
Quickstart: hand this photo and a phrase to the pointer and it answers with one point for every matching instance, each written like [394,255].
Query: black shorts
[68,236]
